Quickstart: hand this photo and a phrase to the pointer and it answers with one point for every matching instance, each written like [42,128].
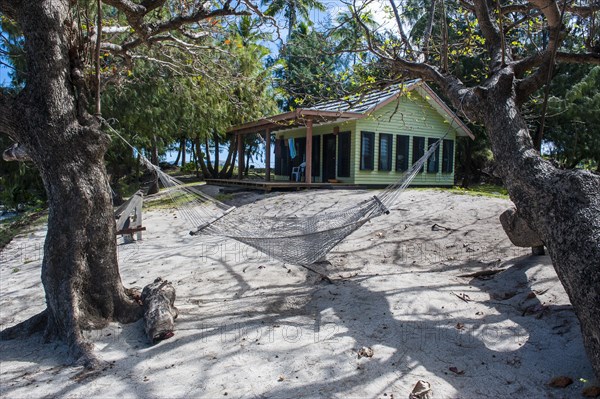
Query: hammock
[296,240]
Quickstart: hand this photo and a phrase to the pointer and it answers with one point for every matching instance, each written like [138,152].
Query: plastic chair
[296,173]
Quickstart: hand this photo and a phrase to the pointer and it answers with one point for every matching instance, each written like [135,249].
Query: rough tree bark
[79,271]
[49,118]
[562,206]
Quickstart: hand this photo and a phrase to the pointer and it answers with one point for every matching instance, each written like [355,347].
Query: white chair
[296,173]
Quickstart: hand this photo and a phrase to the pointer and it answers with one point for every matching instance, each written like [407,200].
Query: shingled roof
[352,107]
[365,102]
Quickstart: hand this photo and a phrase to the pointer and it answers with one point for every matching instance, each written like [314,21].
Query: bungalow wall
[410,116]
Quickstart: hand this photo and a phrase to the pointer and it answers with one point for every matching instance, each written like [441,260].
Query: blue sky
[4,78]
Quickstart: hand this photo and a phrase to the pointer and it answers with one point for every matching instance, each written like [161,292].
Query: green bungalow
[364,140]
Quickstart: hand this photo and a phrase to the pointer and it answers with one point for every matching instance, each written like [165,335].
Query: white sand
[253,327]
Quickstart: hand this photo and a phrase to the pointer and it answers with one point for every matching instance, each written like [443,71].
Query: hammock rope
[296,240]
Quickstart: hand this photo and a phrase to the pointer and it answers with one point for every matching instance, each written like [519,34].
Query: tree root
[25,328]
[81,352]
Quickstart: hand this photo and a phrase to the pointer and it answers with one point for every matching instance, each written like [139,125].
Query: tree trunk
[216,140]
[178,156]
[79,271]
[203,167]
[207,153]
[227,170]
[154,188]
[247,163]
[183,144]
[196,154]
[562,206]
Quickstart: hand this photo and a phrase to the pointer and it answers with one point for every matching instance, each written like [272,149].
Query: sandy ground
[251,327]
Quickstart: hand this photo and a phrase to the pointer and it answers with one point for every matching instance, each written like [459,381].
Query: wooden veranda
[286,121]
[268,186]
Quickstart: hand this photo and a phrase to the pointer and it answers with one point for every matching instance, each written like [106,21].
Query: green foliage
[189,168]
[291,10]
[20,182]
[308,70]
[12,227]
[157,104]
[482,190]
[573,126]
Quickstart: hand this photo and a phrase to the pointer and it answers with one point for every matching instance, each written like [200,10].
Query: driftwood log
[160,313]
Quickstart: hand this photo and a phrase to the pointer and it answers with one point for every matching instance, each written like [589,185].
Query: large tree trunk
[79,271]
[562,206]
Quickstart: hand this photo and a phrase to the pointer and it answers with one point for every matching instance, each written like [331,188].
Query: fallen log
[158,299]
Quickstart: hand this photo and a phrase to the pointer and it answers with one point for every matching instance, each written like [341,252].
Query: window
[401,153]
[418,148]
[367,150]
[433,163]
[385,151]
[344,154]
[448,156]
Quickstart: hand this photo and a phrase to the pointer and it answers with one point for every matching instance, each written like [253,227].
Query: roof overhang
[300,117]
[440,106]
[292,119]
[435,101]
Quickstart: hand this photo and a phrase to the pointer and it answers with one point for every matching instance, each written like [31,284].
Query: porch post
[268,154]
[240,148]
[308,169]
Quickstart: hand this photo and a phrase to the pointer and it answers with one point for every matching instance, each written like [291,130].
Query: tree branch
[582,58]
[466,5]
[152,4]
[582,11]
[128,7]
[152,32]
[553,16]
[428,30]
[177,22]
[409,49]
[382,54]
[515,8]
[9,8]
[115,29]
[534,82]
[491,32]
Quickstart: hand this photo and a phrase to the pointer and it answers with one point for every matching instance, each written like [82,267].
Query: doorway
[329,157]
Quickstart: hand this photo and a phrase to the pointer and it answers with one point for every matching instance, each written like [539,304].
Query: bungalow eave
[293,119]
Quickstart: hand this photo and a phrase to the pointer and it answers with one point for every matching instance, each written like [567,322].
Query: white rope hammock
[297,240]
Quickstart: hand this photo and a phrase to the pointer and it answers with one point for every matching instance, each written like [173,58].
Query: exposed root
[130,309]
[25,328]
[81,352]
